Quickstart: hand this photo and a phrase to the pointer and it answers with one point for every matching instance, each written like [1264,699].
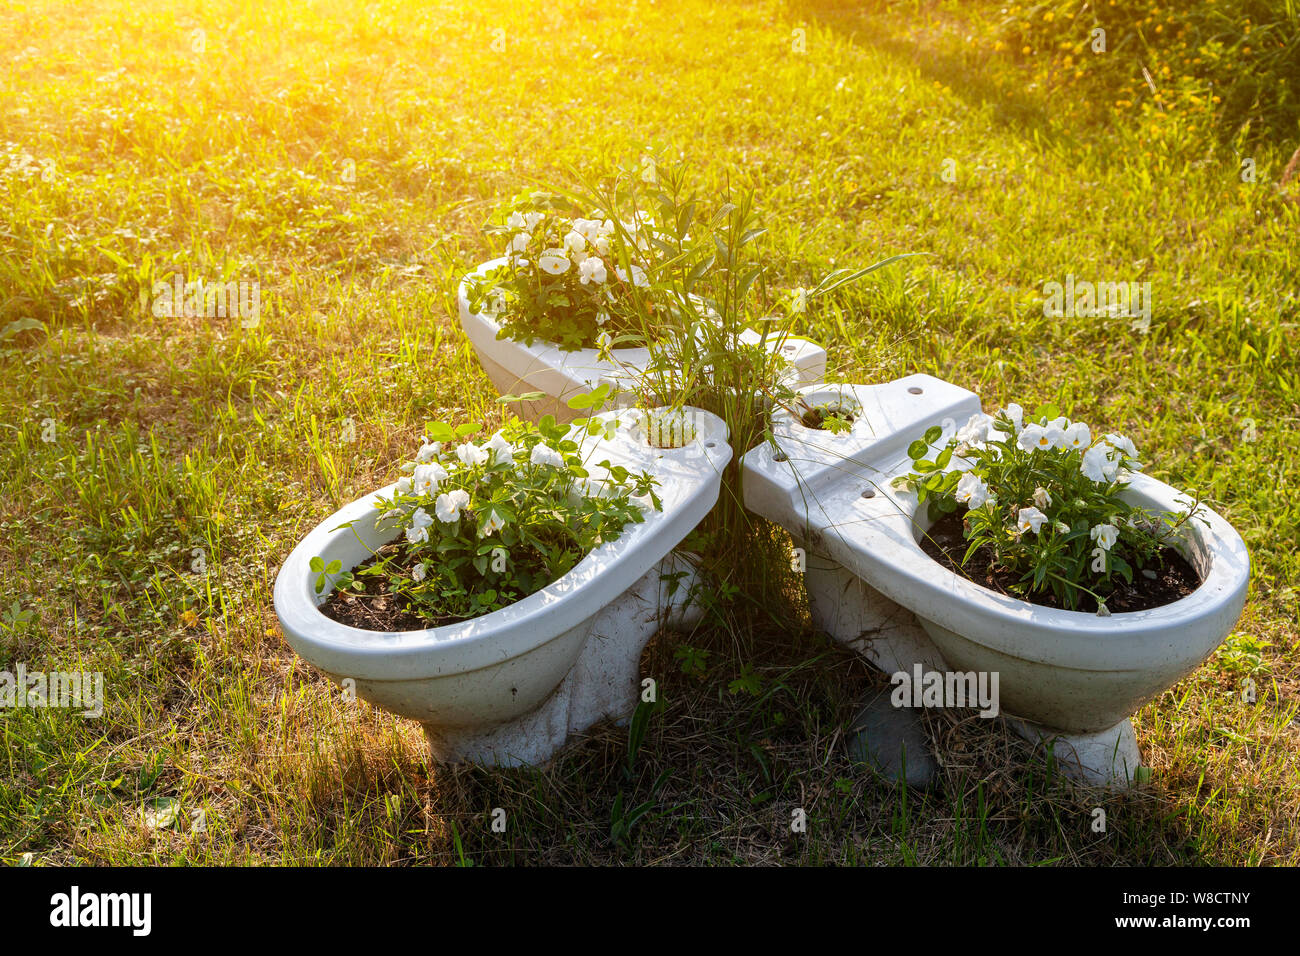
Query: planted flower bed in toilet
[571,304]
[504,634]
[1073,676]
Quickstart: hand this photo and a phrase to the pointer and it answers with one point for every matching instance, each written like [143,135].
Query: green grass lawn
[344,156]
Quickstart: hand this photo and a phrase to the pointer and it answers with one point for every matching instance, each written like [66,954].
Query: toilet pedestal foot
[1107,758]
[603,684]
[865,621]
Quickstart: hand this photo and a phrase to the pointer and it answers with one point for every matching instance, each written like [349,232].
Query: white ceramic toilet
[517,369]
[510,687]
[1068,679]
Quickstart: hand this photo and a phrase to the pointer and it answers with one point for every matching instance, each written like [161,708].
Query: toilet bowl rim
[1119,641]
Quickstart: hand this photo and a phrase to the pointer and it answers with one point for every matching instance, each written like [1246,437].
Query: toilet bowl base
[533,409]
[603,684]
[1108,758]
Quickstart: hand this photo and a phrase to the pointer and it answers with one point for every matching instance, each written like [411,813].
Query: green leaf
[933,434]
[917,449]
[468,428]
[20,325]
[317,564]
[334,567]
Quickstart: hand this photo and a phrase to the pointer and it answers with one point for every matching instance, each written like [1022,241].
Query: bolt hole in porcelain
[510,687]
[1071,679]
[516,368]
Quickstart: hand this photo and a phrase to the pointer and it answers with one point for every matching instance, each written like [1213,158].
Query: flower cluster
[484,525]
[565,280]
[1042,497]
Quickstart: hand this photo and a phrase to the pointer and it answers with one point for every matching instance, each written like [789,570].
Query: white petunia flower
[1105,535]
[553,261]
[449,505]
[1042,498]
[1097,464]
[427,478]
[972,491]
[418,532]
[1030,519]
[544,454]
[591,269]
[418,572]
[1078,435]
[471,454]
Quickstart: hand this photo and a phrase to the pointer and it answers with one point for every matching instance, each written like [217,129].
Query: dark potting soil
[1173,577]
[375,608]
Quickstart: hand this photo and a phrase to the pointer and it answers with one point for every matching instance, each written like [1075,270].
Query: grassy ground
[343,155]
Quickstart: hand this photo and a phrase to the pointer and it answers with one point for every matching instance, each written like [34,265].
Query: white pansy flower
[418,572]
[1123,444]
[519,243]
[1062,423]
[1105,535]
[427,478]
[471,454]
[428,452]
[1034,438]
[639,278]
[405,485]
[593,230]
[1097,464]
[502,450]
[544,454]
[972,491]
[526,221]
[418,532]
[553,261]
[575,244]
[1016,414]
[449,505]
[591,269]
[1078,435]
[1042,498]
[975,430]
[492,525]
[1030,519]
